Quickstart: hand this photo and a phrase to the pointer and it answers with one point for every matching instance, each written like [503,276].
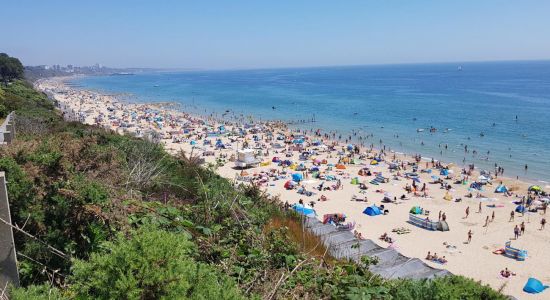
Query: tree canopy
[10,68]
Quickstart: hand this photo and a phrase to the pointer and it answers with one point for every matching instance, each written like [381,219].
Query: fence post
[8,257]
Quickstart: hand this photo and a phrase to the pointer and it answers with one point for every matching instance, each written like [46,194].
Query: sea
[481,113]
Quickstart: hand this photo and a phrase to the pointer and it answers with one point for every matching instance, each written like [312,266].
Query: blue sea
[499,109]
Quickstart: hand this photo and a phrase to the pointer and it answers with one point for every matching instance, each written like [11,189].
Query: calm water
[391,102]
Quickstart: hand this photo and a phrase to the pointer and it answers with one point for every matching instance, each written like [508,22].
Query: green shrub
[152,264]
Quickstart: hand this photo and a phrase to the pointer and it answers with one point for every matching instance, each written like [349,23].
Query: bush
[152,264]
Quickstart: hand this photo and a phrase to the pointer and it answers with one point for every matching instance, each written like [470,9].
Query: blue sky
[256,34]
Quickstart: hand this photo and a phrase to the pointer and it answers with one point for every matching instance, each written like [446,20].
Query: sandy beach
[335,166]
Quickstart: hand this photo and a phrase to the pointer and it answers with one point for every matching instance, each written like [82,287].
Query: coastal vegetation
[114,217]
[10,68]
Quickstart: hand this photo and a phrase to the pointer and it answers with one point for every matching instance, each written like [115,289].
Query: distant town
[35,72]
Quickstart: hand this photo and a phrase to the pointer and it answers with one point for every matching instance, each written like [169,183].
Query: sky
[235,34]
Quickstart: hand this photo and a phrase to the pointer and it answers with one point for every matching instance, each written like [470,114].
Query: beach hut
[372,211]
[246,158]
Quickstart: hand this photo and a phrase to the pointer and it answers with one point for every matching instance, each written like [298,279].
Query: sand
[474,259]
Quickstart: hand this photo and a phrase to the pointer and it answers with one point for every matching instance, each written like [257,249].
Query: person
[511,216]
[522,228]
[467,212]
[542,223]
[506,273]
[443,217]
[470,236]
[439,216]
[443,259]
[429,256]
[516,232]
[493,216]
[486,222]
[479,209]
[435,257]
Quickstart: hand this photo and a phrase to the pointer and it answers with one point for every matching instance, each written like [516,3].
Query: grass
[307,241]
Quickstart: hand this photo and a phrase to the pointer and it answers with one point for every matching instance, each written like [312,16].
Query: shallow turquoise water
[481,97]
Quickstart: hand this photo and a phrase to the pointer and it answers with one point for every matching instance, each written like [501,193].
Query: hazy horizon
[285,34]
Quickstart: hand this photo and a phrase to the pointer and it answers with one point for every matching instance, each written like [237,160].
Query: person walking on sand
[522,228]
[511,216]
[516,232]
[493,216]
[542,223]
[467,212]
[479,208]
[486,222]
[469,236]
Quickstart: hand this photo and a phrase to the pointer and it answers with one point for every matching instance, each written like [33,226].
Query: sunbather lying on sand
[506,273]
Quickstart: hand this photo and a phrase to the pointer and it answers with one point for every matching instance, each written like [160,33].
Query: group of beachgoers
[328,169]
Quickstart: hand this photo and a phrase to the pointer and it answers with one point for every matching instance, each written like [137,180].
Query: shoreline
[92,108]
[401,139]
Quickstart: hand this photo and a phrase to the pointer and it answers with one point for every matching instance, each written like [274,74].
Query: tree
[151,264]
[10,68]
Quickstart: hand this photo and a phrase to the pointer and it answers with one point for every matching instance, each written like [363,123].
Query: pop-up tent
[534,286]
[535,188]
[304,210]
[297,177]
[501,189]
[372,211]
[520,209]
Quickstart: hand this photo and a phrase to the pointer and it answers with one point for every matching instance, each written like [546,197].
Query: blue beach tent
[520,208]
[501,189]
[306,211]
[534,286]
[372,211]
[297,177]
